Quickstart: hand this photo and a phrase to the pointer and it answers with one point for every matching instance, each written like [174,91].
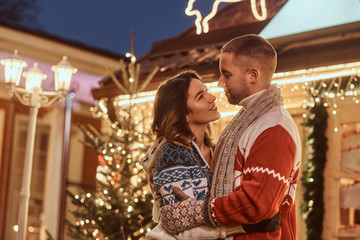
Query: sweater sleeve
[174,167]
[265,176]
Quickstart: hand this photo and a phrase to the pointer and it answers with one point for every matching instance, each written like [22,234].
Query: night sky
[107,24]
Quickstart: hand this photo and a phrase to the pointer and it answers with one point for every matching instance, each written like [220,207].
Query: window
[350,182]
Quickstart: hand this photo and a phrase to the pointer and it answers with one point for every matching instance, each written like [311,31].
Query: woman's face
[201,104]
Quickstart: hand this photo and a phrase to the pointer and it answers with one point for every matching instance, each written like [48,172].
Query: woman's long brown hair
[170,110]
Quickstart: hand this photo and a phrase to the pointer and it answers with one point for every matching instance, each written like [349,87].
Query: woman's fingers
[179,193]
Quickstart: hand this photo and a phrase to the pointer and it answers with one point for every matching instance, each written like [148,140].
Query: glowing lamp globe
[34,77]
[13,68]
[63,72]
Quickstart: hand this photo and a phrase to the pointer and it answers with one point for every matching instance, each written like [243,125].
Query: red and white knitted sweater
[266,170]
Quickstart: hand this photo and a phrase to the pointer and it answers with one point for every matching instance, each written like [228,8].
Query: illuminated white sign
[202,25]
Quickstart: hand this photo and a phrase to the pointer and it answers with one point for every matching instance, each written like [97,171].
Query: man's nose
[221,83]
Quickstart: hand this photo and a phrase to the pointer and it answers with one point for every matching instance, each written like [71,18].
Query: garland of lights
[312,207]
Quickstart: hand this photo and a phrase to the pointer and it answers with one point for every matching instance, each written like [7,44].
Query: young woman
[182,153]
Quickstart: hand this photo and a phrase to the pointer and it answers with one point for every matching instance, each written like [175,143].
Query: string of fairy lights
[109,151]
[335,83]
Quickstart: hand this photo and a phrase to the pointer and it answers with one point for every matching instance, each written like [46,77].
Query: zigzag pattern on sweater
[179,174]
[268,171]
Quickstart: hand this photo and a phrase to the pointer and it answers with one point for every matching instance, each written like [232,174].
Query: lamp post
[34,97]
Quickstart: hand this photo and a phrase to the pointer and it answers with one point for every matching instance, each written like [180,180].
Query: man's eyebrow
[224,71]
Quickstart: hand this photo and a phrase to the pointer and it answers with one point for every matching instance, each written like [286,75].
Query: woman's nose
[212,98]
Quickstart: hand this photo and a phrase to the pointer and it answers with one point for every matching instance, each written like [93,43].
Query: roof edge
[56,38]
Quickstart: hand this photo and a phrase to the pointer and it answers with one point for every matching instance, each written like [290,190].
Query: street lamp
[34,97]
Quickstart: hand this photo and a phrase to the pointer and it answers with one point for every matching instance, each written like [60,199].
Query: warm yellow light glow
[13,67]
[63,72]
[314,74]
[63,77]
[137,100]
[129,209]
[204,27]
[132,56]
[313,78]
[34,77]
[13,70]
[282,78]
[302,76]
[102,106]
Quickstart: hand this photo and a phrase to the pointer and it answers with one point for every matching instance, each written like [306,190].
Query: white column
[26,179]
[53,171]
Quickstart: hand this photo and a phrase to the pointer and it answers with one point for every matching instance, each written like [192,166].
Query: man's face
[233,78]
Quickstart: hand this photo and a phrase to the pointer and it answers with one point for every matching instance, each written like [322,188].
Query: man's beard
[231,99]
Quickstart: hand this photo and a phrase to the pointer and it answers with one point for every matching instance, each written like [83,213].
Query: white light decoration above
[204,26]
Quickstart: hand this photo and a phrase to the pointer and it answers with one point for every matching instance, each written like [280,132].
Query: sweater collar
[250,99]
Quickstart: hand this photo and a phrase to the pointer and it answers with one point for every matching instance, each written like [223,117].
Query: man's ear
[254,75]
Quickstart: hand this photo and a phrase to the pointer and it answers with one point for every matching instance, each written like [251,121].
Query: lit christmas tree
[121,206]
